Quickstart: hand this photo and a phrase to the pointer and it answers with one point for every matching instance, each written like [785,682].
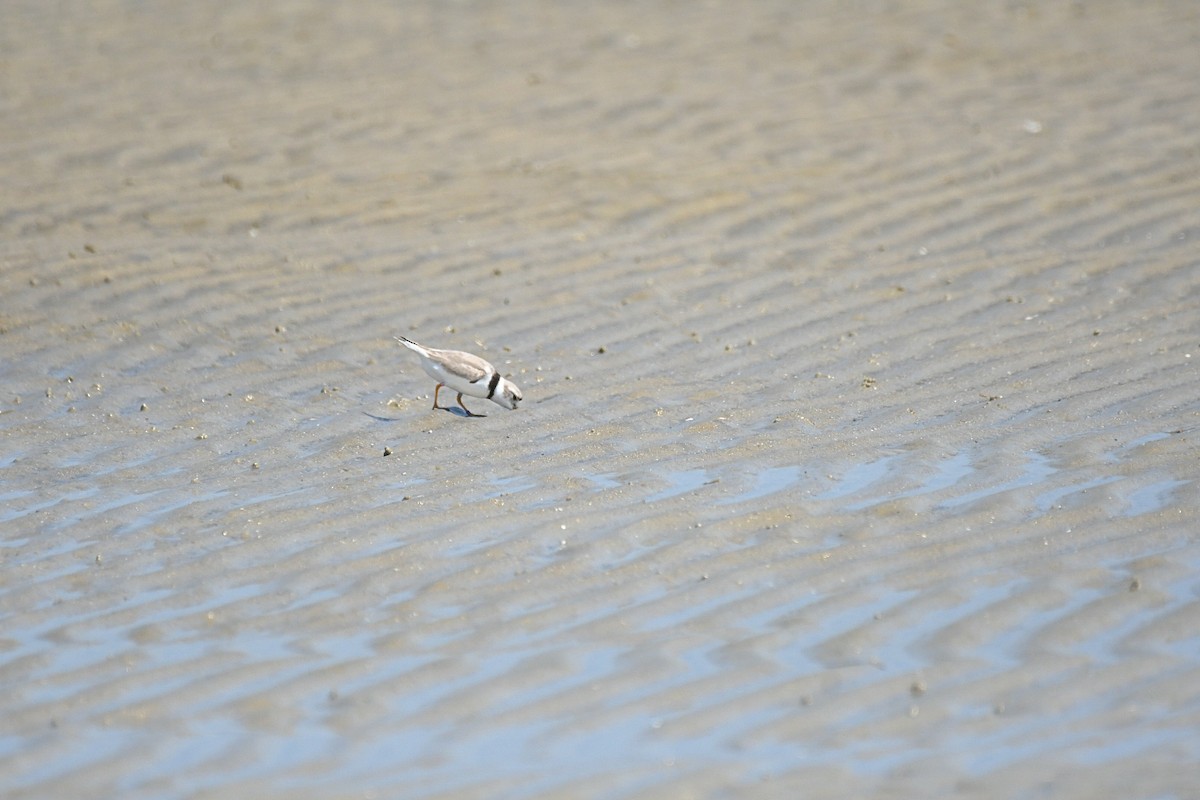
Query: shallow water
[857,456]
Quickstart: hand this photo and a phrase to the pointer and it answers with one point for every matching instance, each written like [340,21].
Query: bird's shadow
[458,412]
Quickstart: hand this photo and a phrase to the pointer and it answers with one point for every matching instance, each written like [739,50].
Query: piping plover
[465,374]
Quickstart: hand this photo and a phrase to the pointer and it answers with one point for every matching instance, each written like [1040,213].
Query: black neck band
[492,384]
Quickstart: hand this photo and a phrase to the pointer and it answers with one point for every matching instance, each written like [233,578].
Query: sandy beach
[859,348]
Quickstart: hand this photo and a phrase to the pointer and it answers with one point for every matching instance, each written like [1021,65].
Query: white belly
[455,382]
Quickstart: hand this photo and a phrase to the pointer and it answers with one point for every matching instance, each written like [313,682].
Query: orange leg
[464,408]
[438,388]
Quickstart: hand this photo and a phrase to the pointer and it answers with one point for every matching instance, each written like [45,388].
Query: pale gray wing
[470,368]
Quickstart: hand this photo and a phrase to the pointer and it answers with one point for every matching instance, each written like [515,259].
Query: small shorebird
[465,374]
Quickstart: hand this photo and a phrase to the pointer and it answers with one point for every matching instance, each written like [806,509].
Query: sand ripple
[857,458]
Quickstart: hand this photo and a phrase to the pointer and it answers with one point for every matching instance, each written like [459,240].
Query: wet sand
[857,458]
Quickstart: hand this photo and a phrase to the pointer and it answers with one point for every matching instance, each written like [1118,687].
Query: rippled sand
[859,350]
